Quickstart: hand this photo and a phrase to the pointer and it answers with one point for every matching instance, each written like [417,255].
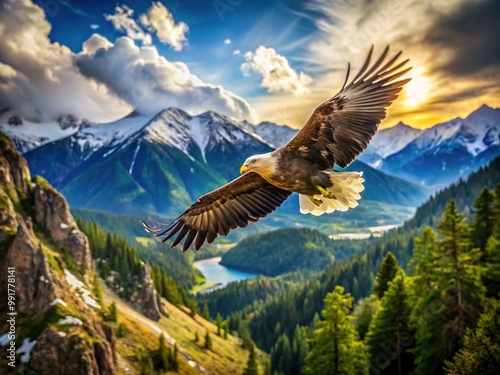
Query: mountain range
[160,164]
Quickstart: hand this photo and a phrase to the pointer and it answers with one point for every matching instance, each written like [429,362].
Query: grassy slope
[227,356]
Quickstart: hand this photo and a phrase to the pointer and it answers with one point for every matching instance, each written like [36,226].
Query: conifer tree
[447,278]
[225,330]
[206,314]
[483,218]
[208,341]
[196,336]
[363,314]
[491,275]
[218,323]
[390,338]
[193,307]
[113,312]
[335,346]
[97,289]
[163,354]
[174,360]
[481,351]
[251,368]
[387,271]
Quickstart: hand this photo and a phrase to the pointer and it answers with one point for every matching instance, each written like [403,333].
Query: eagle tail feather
[344,194]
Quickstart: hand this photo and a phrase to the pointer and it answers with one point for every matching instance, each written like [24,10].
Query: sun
[417,90]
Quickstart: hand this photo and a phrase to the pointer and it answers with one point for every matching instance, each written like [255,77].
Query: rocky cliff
[40,240]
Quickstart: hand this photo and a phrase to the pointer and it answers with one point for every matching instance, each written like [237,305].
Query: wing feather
[344,125]
[245,199]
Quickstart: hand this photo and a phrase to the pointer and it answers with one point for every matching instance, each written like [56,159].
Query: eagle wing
[341,128]
[247,198]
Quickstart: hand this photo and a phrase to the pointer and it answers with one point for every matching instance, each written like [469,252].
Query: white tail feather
[346,188]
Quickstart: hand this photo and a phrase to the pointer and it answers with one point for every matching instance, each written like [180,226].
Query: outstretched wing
[341,128]
[247,198]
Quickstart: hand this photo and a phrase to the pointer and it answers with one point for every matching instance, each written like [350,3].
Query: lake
[217,275]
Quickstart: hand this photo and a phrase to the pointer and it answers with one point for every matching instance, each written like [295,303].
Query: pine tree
[174,360]
[193,307]
[483,218]
[196,336]
[267,369]
[390,338]
[481,351]
[387,271]
[113,312]
[206,314]
[163,354]
[97,288]
[491,275]
[208,341]
[225,330]
[145,361]
[447,278]
[218,323]
[121,331]
[363,314]
[251,368]
[335,346]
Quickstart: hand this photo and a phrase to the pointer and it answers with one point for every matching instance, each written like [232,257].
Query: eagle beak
[243,169]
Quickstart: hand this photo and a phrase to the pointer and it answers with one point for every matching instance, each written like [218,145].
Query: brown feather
[344,125]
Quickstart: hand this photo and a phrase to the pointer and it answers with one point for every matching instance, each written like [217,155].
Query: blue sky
[283,25]
[256,60]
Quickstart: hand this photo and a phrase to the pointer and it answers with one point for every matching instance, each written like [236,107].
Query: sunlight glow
[417,89]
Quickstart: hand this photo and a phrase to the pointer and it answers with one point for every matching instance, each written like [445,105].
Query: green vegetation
[335,345]
[299,249]
[252,368]
[437,281]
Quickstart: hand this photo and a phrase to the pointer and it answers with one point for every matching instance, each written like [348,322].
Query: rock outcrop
[52,213]
[36,232]
[149,302]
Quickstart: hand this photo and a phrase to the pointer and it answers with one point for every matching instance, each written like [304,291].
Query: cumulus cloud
[123,21]
[227,41]
[159,20]
[150,83]
[38,78]
[277,75]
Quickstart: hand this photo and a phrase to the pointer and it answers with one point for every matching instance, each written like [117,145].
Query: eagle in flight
[335,134]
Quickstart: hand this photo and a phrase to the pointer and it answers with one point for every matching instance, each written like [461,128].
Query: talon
[325,193]
[316,202]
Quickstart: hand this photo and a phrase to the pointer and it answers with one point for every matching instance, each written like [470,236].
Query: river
[217,275]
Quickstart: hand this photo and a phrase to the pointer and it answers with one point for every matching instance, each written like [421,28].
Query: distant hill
[281,251]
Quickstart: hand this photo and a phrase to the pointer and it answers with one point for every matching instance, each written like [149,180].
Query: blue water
[214,271]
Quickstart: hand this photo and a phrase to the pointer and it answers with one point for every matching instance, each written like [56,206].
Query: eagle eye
[253,161]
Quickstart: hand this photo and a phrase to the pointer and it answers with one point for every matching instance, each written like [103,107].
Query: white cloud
[150,83]
[277,75]
[94,26]
[123,21]
[236,52]
[38,78]
[227,41]
[158,19]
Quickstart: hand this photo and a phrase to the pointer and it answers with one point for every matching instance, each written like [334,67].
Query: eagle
[336,133]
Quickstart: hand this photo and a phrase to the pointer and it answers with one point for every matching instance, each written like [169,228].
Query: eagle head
[263,164]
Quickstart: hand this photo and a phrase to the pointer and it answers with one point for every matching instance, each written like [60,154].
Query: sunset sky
[251,59]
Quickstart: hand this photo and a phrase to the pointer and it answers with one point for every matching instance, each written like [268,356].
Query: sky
[254,60]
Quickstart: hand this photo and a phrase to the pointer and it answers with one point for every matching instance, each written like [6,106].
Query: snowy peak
[277,135]
[391,140]
[29,134]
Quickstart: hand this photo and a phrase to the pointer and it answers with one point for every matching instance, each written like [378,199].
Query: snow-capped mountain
[389,141]
[161,163]
[277,135]
[156,162]
[446,152]
[30,134]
